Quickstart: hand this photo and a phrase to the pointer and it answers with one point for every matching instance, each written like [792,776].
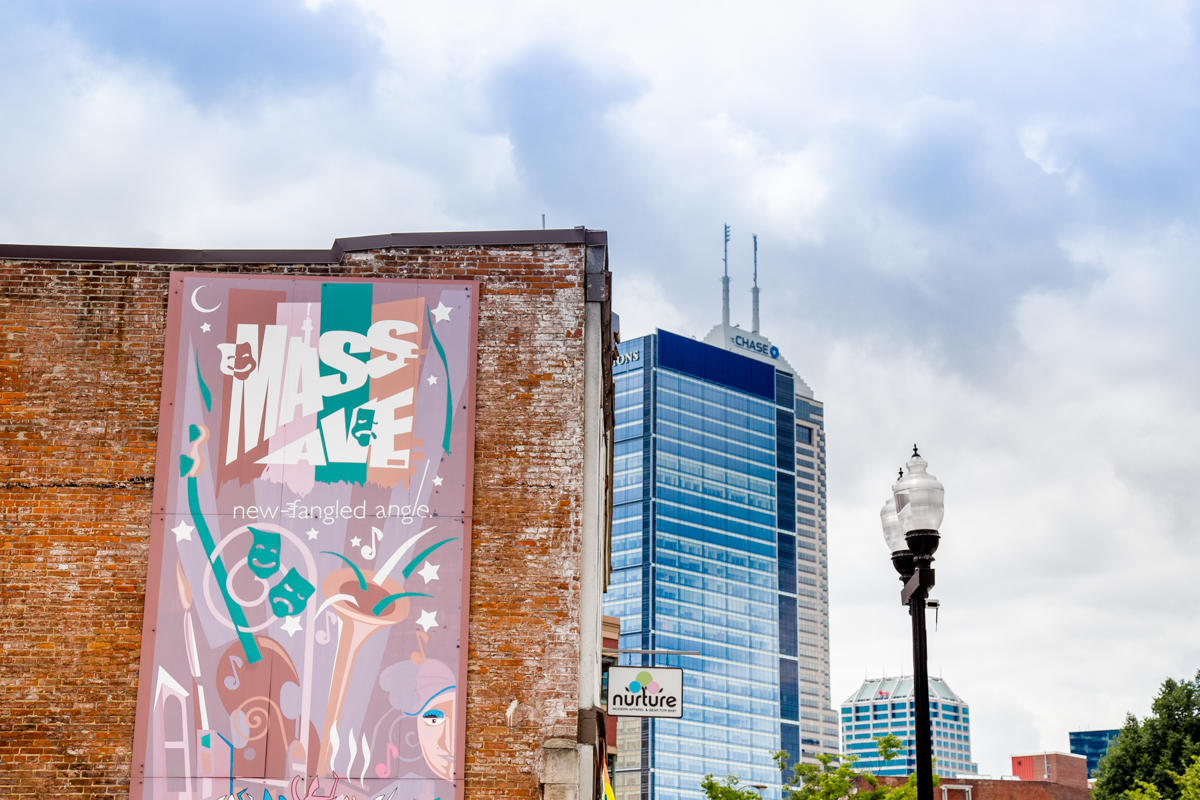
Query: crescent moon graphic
[196,303]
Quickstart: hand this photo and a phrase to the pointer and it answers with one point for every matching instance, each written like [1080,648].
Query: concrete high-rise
[886,705]
[720,561]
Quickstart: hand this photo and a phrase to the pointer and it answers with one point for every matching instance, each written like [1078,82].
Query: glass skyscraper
[1092,745]
[719,559]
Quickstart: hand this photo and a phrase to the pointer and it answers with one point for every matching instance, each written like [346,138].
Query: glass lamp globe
[893,533]
[920,499]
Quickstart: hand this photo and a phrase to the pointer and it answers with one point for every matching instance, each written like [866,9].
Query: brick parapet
[971,788]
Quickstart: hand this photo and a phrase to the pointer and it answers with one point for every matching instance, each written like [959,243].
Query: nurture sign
[645,692]
[305,625]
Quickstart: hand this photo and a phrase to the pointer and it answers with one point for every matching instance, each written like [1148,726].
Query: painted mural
[305,628]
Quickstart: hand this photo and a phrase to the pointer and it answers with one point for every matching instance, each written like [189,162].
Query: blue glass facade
[718,548]
[1092,745]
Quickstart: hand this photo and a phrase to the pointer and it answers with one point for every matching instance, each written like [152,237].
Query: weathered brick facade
[1067,769]
[80,372]
[963,788]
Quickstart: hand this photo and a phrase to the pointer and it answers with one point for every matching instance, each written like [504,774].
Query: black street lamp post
[911,517]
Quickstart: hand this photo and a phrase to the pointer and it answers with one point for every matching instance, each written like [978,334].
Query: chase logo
[756,346]
[638,692]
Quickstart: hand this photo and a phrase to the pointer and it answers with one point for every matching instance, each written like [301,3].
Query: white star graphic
[429,572]
[442,312]
[431,380]
[437,480]
[355,542]
[427,620]
[206,327]
[311,533]
[182,531]
[292,626]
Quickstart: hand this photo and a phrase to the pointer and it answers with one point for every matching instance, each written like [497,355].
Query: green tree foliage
[1154,753]
[1188,785]
[832,778]
[888,746]
[732,789]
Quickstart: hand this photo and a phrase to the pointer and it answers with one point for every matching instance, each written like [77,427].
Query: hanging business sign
[645,692]
[305,625]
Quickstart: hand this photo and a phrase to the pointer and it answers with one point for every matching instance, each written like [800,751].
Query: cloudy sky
[977,230]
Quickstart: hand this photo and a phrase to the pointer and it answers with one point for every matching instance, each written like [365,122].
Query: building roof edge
[341,246]
[721,336]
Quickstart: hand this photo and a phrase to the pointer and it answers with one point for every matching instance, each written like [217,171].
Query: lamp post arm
[922,580]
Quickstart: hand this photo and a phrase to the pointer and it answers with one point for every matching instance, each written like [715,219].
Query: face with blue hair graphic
[426,693]
[435,730]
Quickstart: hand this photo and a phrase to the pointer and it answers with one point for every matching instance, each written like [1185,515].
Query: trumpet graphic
[359,623]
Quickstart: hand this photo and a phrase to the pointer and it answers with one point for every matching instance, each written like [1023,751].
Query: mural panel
[305,627]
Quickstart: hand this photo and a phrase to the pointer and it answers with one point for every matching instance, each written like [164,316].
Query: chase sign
[754,345]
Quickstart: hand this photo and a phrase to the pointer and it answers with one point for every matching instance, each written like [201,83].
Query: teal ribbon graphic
[449,405]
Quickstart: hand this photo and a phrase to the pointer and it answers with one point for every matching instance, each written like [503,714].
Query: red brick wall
[80,370]
[989,789]
[983,789]
[1069,770]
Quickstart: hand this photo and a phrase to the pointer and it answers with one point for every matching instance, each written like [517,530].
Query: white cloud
[128,159]
[645,304]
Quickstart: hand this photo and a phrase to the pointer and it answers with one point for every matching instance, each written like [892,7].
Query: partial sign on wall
[306,605]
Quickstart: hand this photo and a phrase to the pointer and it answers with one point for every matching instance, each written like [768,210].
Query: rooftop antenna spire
[725,284]
[754,291]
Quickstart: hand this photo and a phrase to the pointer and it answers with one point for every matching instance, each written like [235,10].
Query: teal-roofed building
[886,705]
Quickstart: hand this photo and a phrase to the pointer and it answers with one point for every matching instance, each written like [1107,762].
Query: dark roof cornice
[351,244]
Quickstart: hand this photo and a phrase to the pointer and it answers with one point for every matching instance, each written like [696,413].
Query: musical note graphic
[234,681]
[418,656]
[323,636]
[385,770]
[368,550]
